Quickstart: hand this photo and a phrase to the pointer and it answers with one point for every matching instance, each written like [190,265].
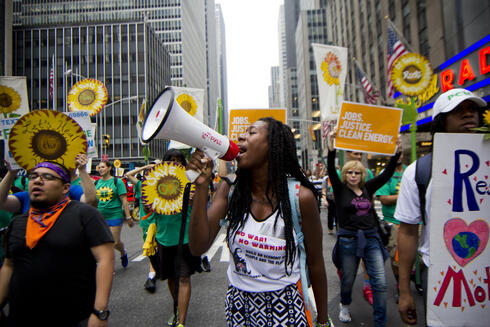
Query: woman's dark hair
[111,165]
[283,163]
[177,154]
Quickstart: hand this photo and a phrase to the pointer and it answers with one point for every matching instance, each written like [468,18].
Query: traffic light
[107,139]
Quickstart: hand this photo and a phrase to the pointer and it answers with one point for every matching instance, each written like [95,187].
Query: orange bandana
[40,222]
[147,215]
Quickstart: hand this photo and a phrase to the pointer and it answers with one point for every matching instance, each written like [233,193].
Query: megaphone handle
[208,153]
[192,175]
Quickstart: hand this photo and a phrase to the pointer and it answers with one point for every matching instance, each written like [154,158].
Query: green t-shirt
[168,228]
[144,224]
[21,182]
[77,181]
[110,205]
[392,187]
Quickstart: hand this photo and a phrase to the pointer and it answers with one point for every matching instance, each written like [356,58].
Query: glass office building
[128,57]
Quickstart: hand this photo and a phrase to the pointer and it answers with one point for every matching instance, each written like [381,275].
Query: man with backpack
[455,111]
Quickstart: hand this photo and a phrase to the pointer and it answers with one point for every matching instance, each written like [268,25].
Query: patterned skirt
[284,307]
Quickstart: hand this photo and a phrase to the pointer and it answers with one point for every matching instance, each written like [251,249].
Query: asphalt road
[131,305]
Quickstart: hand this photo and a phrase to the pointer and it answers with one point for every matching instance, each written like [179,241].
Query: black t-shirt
[354,211]
[54,283]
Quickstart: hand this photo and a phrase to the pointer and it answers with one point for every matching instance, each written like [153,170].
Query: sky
[252,48]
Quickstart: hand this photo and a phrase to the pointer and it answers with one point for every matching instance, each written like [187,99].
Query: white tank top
[258,252]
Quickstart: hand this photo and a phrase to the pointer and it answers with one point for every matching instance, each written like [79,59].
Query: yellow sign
[117,163]
[88,94]
[411,74]
[241,119]
[163,188]
[46,135]
[423,97]
[368,128]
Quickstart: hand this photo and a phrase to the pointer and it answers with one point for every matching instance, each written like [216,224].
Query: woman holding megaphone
[260,214]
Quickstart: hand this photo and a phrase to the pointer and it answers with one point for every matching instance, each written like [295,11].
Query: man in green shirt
[388,195]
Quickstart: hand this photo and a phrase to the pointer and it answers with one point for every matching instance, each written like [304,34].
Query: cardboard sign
[458,292]
[82,117]
[368,128]
[240,119]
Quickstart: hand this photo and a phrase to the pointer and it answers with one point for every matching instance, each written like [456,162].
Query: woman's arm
[204,223]
[5,275]
[374,184]
[130,175]
[8,202]
[313,236]
[86,182]
[127,213]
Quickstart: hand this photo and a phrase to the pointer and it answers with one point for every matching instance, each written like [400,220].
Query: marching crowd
[60,230]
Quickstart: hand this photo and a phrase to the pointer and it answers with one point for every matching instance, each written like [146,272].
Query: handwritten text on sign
[458,292]
[367,128]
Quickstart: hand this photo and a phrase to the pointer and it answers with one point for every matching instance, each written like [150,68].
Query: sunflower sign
[411,74]
[331,70]
[88,94]
[458,292]
[13,96]
[45,135]
[163,188]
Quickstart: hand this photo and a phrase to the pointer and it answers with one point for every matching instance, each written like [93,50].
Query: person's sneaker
[124,260]
[368,293]
[206,266]
[344,314]
[150,285]
[170,322]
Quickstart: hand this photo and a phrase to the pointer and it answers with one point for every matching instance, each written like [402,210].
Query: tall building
[311,28]
[446,32]
[274,88]
[282,57]
[5,37]
[185,28]
[128,58]
[222,70]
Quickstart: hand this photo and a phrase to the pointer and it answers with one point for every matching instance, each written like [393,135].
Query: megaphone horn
[167,120]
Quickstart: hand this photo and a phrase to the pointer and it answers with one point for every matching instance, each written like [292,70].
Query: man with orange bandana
[59,257]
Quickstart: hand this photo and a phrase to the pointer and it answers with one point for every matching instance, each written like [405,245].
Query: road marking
[139,258]
[219,242]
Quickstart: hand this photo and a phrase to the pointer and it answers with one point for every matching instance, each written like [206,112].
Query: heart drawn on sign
[465,242]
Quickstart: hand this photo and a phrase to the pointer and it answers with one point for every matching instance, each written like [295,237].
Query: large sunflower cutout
[88,94]
[104,193]
[187,103]
[331,68]
[9,99]
[163,188]
[46,135]
[411,74]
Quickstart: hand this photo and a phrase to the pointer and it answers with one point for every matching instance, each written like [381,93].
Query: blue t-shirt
[75,193]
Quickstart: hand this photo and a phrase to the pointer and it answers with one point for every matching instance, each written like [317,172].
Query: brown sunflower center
[86,97]
[5,100]
[168,187]
[49,145]
[186,105]
[412,74]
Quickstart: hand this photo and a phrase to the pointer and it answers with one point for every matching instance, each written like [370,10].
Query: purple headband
[60,171]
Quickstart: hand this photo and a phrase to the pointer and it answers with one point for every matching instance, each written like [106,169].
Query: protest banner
[331,71]
[458,292]
[13,96]
[240,119]
[82,117]
[368,128]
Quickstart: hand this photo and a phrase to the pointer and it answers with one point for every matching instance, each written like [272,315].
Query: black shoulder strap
[423,173]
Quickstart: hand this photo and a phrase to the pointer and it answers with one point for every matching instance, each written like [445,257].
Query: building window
[406,20]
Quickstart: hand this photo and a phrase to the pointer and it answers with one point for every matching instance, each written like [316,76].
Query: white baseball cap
[452,98]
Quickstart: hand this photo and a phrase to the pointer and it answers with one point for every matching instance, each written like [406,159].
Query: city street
[131,305]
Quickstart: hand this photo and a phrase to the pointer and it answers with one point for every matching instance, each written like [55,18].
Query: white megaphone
[167,120]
